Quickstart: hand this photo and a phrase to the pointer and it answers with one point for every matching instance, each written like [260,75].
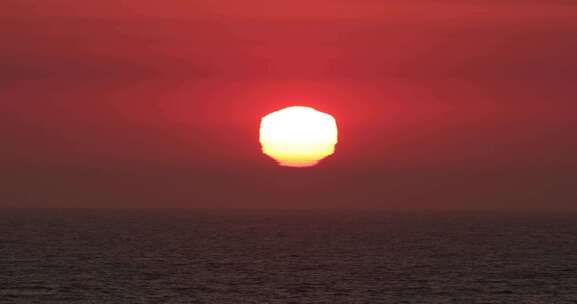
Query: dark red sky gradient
[440,104]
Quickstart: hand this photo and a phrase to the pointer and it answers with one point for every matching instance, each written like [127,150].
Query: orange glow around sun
[298,136]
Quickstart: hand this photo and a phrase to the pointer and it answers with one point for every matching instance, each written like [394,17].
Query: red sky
[440,104]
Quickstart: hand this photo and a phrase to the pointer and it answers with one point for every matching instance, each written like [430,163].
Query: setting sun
[298,136]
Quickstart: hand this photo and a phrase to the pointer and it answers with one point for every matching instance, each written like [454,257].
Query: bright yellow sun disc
[298,136]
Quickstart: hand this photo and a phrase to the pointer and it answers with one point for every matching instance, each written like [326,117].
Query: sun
[298,136]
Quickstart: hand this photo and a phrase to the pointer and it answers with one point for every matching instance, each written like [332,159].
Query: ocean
[305,256]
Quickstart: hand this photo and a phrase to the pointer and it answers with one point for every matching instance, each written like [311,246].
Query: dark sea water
[185,256]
